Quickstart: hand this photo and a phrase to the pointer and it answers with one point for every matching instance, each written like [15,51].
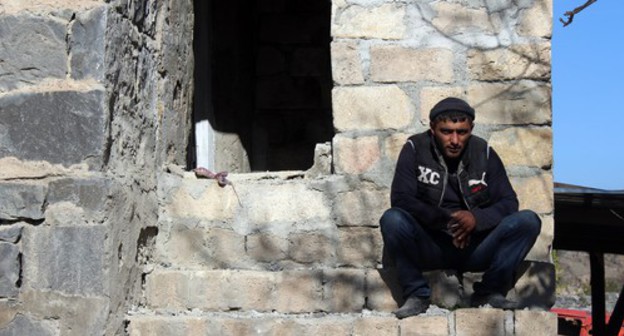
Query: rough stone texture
[425,325]
[535,323]
[299,291]
[522,102]
[371,108]
[373,325]
[393,146]
[454,18]
[535,192]
[24,325]
[9,269]
[360,247]
[22,200]
[355,156]
[86,44]
[383,22]
[429,96]
[343,290]
[513,62]
[361,207]
[70,260]
[63,126]
[537,20]
[90,193]
[346,64]
[32,48]
[542,248]
[524,146]
[400,64]
[11,234]
[479,322]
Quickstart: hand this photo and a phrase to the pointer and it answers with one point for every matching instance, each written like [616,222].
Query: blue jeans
[497,252]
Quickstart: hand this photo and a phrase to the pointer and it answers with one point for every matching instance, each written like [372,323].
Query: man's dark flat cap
[451,104]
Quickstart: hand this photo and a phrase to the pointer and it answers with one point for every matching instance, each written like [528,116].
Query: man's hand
[461,225]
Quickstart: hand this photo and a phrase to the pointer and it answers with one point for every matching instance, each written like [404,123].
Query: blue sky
[588,95]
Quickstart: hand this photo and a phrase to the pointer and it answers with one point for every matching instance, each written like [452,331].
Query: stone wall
[94,99]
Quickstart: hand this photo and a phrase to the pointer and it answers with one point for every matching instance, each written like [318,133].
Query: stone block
[479,322]
[429,96]
[521,102]
[343,290]
[168,325]
[356,156]
[299,291]
[32,48]
[86,44]
[382,290]
[66,127]
[11,234]
[250,290]
[346,63]
[535,192]
[8,310]
[330,325]
[201,247]
[361,207]
[70,260]
[393,145]
[376,325]
[360,247]
[537,21]
[455,19]
[425,326]
[524,146]
[371,108]
[22,200]
[535,323]
[312,247]
[386,21]
[542,248]
[513,62]
[322,161]
[25,325]
[169,289]
[90,194]
[266,248]
[9,270]
[403,64]
[193,198]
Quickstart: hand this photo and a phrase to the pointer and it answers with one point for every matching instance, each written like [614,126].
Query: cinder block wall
[94,99]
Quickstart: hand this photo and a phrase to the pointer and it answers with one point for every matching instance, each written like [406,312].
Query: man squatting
[453,207]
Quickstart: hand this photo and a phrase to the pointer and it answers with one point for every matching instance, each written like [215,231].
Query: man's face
[452,136]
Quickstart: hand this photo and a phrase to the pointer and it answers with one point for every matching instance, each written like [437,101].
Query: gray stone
[31,49]
[11,234]
[21,200]
[64,127]
[65,259]
[87,43]
[9,269]
[90,193]
[23,325]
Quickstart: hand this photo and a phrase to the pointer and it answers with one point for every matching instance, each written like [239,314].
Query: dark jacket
[420,182]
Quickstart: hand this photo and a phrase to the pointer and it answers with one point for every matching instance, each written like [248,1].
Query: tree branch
[570,14]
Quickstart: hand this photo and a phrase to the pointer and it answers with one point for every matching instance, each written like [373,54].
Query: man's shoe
[495,300]
[412,306]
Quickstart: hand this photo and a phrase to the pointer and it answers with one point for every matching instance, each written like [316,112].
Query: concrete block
[535,192]
[526,61]
[393,145]
[9,270]
[479,322]
[312,247]
[376,325]
[330,325]
[371,108]
[86,44]
[22,200]
[521,102]
[25,325]
[401,64]
[386,21]
[425,326]
[299,291]
[361,207]
[169,289]
[70,260]
[193,198]
[346,63]
[32,48]
[359,247]
[356,156]
[66,127]
[168,326]
[343,290]
[524,146]
[455,19]
[383,292]
[250,290]
[266,248]
[535,323]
